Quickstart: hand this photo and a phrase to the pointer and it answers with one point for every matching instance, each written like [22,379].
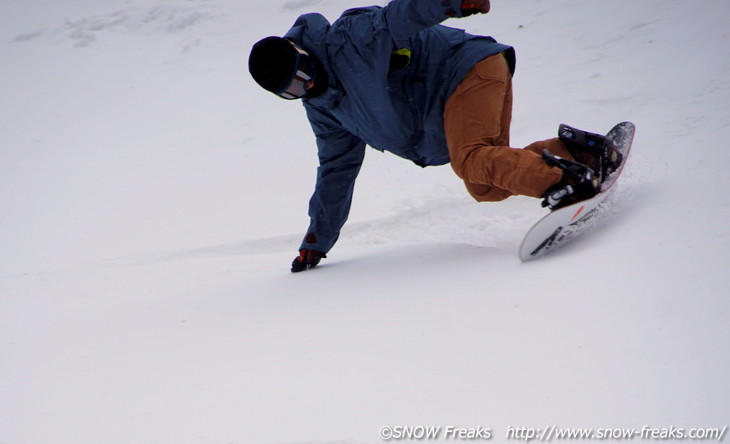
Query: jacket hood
[310,32]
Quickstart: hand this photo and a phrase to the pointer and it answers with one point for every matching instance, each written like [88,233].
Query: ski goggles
[302,78]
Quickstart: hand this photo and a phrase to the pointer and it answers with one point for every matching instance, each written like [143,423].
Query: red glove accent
[306,260]
[469,7]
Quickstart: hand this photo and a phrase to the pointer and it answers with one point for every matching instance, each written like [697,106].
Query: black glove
[306,260]
[469,7]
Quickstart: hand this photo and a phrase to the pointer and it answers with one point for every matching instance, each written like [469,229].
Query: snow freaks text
[551,433]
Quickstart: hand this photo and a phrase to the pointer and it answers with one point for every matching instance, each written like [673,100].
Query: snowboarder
[393,78]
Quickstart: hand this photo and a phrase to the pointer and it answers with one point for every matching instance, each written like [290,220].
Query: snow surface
[153,197]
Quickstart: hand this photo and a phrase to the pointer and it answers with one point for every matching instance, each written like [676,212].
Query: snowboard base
[567,223]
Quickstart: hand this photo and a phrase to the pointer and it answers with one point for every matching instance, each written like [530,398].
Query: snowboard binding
[579,182]
[570,222]
[593,150]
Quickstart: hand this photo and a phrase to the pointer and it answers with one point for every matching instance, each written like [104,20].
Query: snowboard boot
[579,182]
[593,150]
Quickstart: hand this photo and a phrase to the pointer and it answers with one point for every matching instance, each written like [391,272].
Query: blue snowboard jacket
[392,103]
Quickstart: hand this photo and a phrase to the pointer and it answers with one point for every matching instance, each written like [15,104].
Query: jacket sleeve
[340,158]
[406,18]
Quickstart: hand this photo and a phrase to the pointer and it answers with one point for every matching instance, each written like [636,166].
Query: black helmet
[282,67]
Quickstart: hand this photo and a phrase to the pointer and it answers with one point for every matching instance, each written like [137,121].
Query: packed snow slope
[153,196]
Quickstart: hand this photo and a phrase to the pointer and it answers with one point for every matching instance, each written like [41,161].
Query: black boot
[593,150]
[579,182]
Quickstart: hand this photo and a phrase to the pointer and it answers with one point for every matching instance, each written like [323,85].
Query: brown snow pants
[477,121]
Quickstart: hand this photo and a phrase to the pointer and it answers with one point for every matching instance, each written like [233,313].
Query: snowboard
[568,223]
